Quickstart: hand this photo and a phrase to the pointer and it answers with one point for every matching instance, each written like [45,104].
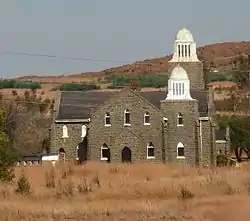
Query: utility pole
[248,84]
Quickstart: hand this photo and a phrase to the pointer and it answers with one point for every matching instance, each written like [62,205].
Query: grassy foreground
[98,191]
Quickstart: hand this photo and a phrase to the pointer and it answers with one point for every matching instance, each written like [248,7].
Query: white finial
[184,47]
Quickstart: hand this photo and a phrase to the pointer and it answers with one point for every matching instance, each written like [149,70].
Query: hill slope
[215,56]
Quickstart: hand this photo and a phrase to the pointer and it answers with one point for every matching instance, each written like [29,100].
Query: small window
[105,152]
[107,120]
[65,131]
[180,150]
[179,120]
[150,151]
[146,118]
[84,131]
[127,117]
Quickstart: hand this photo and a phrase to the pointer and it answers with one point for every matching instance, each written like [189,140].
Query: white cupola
[184,47]
[179,85]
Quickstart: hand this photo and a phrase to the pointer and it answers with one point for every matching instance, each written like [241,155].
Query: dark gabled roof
[80,105]
[155,97]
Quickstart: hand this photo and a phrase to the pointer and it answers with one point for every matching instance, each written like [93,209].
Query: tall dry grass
[131,192]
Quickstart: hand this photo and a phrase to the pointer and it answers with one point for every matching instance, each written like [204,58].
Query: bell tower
[180,112]
[185,54]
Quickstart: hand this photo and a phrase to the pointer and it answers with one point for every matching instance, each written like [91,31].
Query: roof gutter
[73,121]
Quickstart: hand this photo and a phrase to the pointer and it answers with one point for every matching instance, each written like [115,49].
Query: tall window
[150,151]
[189,51]
[180,150]
[186,51]
[105,153]
[127,117]
[146,118]
[182,51]
[65,131]
[179,50]
[107,119]
[179,120]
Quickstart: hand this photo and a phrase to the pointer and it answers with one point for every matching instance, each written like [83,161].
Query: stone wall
[117,136]
[68,144]
[194,71]
[186,134]
[207,147]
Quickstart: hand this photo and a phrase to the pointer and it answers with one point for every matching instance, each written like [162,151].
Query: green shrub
[219,76]
[4,83]
[79,87]
[23,185]
[146,80]
[153,80]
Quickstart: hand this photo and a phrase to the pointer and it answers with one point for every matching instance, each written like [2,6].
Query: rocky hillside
[216,56]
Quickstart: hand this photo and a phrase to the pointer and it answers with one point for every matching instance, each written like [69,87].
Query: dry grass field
[128,192]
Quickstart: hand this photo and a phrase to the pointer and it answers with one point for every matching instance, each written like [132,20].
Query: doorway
[82,151]
[126,155]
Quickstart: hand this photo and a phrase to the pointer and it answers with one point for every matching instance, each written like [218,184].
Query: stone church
[177,125]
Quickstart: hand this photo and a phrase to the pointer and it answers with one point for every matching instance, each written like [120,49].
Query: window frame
[180,145]
[146,114]
[126,111]
[86,129]
[65,130]
[180,116]
[104,147]
[107,115]
[150,145]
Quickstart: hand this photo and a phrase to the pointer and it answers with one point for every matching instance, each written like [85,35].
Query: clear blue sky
[124,30]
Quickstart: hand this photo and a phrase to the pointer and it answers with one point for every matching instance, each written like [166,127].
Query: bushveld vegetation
[78,87]
[128,192]
[144,80]
[4,83]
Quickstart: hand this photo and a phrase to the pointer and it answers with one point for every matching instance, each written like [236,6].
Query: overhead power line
[147,61]
[63,57]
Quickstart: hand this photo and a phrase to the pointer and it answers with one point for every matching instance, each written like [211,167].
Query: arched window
[179,120]
[180,150]
[150,151]
[65,131]
[127,117]
[105,153]
[84,131]
[146,118]
[107,119]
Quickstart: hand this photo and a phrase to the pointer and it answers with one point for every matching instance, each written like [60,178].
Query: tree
[239,133]
[7,157]
[241,71]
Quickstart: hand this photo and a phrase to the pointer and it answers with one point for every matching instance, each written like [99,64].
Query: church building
[173,126]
